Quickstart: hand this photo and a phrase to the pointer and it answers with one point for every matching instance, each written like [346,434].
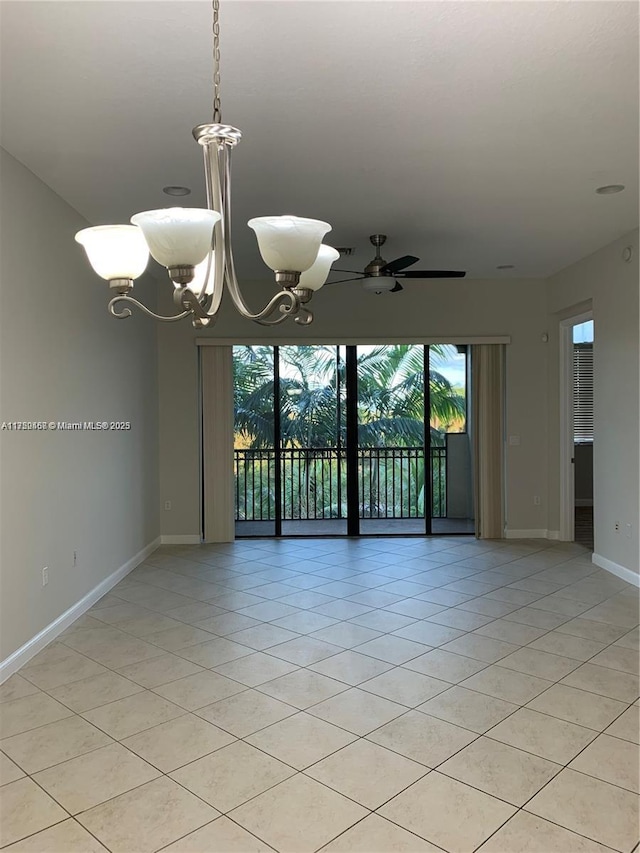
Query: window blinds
[582,393]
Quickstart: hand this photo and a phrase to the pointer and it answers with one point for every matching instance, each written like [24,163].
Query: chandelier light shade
[115,251]
[288,242]
[195,244]
[318,272]
[178,236]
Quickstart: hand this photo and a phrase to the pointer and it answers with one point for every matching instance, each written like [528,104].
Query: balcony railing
[391,483]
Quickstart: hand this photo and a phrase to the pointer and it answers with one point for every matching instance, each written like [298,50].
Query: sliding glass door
[255,428]
[346,440]
[392,464]
[450,435]
[311,446]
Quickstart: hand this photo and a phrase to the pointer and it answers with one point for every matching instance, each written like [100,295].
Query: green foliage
[253,395]
[390,396]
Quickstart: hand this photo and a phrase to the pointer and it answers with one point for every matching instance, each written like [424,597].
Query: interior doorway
[352,440]
[583,432]
[577,434]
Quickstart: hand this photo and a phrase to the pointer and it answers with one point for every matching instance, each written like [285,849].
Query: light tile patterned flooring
[339,695]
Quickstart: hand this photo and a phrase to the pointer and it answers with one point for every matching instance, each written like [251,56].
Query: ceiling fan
[379,276]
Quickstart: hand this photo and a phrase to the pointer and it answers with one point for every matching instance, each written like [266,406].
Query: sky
[583,333]
[451,365]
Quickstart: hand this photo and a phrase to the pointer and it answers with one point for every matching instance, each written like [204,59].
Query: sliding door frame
[428,461]
[351,450]
[277,443]
[351,411]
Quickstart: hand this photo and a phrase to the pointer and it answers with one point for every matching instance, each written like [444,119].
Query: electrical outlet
[75,559]
[536,500]
[167,505]
[45,576]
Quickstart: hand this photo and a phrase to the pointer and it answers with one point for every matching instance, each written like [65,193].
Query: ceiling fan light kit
[194,245]
[380,285]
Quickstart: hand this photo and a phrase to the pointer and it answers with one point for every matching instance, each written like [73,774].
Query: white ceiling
[472,133]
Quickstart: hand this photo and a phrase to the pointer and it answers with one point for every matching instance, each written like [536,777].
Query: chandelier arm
[206,303]
[286,300]
[187,299]
[126,312]
[197,308]
[214,202]
[305,317]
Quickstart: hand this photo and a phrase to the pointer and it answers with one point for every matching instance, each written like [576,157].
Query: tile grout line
[350,649]
[356,686]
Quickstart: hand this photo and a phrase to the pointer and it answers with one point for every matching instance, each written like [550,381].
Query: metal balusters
[312,482]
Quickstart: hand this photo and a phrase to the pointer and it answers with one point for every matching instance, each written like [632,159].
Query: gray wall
[435,308]
[63,358]
[612,285]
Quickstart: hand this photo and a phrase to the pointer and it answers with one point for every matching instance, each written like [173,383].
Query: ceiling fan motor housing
[374,267]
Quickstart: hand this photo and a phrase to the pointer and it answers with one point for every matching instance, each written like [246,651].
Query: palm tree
[312,405]
[253,396]
[311,396]
[391,397]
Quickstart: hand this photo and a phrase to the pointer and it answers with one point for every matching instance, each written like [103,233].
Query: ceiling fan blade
[397,288]
[353,272]
[342,280]
[432,274]
[399,264]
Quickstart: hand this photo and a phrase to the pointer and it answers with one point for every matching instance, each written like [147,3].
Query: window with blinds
[583,392]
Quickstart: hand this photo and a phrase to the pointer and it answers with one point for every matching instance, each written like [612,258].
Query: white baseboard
[187,539]
[525,534]
[616,569]
[31,648]
[532,534]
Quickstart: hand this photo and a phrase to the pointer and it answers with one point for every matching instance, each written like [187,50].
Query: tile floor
[370,695]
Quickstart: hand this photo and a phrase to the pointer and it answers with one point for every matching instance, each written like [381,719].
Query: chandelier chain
[217,114]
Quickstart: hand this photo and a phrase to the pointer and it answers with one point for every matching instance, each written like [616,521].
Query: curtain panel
[216,368]
[487,419]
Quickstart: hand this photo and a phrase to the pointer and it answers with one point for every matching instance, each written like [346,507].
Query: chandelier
[194,244]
